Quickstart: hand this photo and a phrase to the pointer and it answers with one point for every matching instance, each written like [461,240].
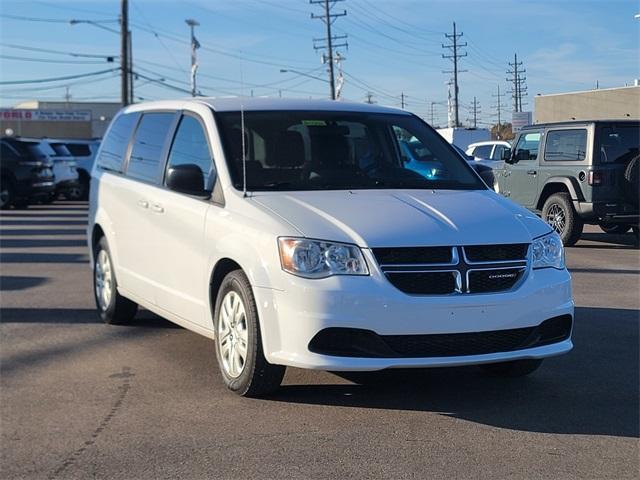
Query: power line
[108,58]
[57,79]
[328,18]
[48,60]
[455,56]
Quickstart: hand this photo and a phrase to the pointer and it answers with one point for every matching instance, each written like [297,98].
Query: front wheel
[113,308]
[559,213]
[244,368]
[517,368]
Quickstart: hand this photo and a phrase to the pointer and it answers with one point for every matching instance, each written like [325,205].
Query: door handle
[531,172]
[157,208]
[143,204]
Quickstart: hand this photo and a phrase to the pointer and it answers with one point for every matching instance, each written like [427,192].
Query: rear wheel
[79,192]
[517,368]
[6,194]
[244,368]
[559,213]
[113,308]
[617,228]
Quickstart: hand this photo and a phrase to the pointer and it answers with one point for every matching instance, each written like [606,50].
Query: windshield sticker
[314,123]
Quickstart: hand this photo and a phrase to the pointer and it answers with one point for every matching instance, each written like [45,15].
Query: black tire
[614,228]
[558,212]
[257,377]
[117,310]
[81,192]
[517,368]
[7,195]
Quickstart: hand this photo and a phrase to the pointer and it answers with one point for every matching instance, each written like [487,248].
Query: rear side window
[497,152]
[79,149]
[483,151]
[527,146]
[619,143]
[60,149]
[151,134]
[190,146]
[566,145]
[115,143]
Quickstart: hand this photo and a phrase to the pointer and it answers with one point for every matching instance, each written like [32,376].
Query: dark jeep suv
[574,173]
[26,173]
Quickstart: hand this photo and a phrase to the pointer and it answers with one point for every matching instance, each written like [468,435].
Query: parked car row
[35,170]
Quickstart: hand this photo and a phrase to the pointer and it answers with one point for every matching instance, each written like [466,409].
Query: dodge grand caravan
[295,233]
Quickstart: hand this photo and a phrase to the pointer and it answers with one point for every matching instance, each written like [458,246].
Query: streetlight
[283,70]
[75,21]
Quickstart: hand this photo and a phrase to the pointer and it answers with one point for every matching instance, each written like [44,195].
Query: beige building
[57,119]
[601,104]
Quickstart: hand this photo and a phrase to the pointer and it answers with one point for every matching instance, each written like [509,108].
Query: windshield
[298,150]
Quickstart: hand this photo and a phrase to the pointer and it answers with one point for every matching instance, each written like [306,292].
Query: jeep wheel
[616,228]
[558,212]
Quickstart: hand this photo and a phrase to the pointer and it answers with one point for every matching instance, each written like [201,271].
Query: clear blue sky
[394,48]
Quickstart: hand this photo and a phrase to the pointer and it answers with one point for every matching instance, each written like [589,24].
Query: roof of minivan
[233,104]
[582,122]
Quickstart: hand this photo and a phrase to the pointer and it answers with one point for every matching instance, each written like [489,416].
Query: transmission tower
[474,110]
[330,41]
[455,56]
[519,88]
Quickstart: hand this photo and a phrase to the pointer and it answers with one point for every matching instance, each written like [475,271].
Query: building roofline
[586,91]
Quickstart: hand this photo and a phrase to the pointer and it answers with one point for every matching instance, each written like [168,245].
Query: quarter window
[190,146]
[566,145]
[115,143]
[151,134]
[527,146]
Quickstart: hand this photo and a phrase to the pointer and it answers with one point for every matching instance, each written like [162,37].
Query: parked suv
[293,233]
[84,153]
[574,173]
[491,150]
[26,173]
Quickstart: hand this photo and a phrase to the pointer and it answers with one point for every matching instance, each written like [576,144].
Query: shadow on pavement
[41,242]
[43,257]
[40,223]
[593,390]
[12,283]
[44,231]
[607,240]
[143,319]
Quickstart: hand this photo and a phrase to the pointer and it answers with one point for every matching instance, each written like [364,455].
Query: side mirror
[507,155]
[187,178]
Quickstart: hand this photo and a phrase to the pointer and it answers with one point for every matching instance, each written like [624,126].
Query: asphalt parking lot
[80,399]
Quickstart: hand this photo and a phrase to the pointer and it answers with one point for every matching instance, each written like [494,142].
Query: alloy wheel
[103,280]
[232,335]
[556,218]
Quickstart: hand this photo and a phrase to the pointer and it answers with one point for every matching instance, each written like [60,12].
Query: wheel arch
[558,185]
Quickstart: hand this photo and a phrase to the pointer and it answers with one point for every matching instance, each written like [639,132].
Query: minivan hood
[385,218]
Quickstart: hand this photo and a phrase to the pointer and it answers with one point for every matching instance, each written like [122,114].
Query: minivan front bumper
[291,318]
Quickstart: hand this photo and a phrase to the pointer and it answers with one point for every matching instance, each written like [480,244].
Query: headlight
[548,251]
[319,259]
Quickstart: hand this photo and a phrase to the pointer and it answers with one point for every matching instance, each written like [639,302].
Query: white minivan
[297,232]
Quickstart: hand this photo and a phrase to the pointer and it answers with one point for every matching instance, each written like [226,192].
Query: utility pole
[475,110]
[402,100]
[455,56]
[498,105]
[369,98]
[519,87]
[130,60]
[432,116]
[124,52]
[195,45]
[330,41]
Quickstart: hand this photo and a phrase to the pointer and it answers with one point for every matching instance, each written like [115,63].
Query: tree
[502,131]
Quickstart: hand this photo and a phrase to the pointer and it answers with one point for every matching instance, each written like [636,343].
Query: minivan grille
[454,270]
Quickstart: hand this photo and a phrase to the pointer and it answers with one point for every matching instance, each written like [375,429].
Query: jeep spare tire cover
[631,183]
